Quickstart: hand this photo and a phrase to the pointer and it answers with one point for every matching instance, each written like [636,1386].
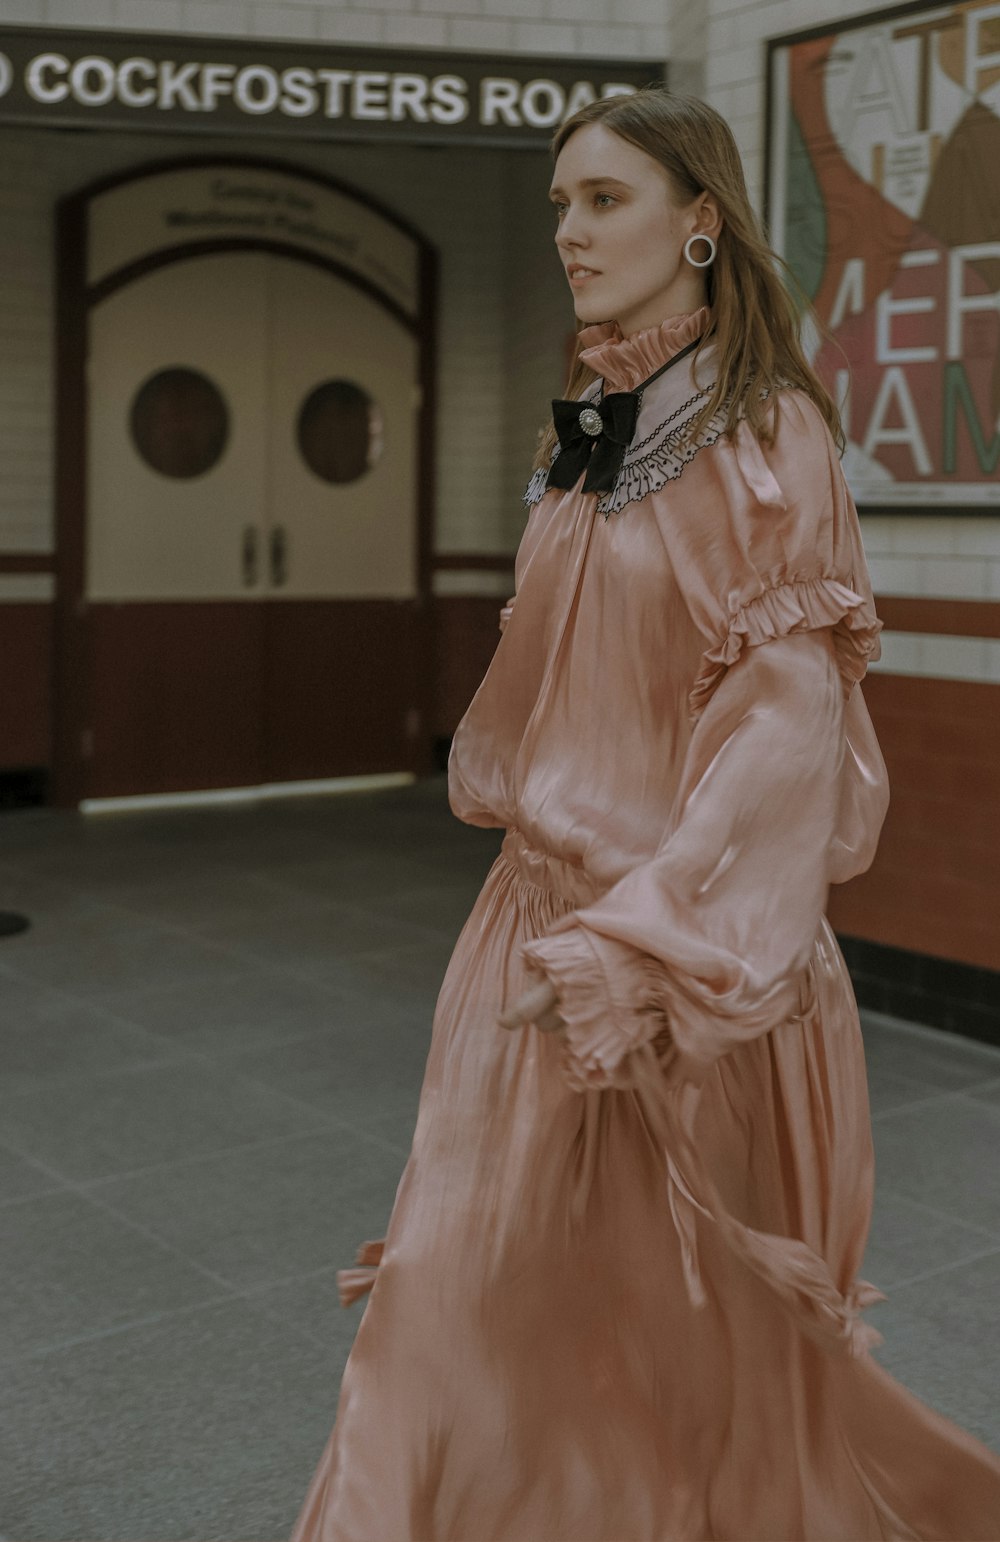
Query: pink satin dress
[618,1298]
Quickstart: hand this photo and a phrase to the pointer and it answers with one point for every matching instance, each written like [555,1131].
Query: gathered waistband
[553,875]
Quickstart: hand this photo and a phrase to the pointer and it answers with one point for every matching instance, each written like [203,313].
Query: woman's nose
[569,233]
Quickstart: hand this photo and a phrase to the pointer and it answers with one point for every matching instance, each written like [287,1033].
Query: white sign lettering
[39,78]
[887,306]
[259,90]
[129,92]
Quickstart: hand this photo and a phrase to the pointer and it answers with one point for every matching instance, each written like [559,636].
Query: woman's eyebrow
[594,182]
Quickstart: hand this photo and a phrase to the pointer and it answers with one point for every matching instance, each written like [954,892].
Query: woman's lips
[581,278]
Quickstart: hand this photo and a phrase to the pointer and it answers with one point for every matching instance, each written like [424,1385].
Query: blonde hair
[755,319]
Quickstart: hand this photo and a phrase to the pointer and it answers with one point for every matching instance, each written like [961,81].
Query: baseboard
[960,998]
[23,787]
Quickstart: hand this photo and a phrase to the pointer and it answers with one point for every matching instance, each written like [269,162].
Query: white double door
[251,571]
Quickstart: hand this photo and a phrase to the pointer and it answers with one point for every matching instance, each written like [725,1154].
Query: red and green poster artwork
[884,199]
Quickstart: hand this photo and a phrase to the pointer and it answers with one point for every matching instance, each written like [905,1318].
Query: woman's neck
[688,293]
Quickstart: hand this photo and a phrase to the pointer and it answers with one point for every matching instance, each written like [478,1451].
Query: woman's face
[621,234]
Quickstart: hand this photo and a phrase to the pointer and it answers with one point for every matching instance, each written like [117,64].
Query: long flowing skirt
[530,1366]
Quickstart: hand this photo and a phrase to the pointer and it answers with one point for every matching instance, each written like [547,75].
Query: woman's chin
[588,315]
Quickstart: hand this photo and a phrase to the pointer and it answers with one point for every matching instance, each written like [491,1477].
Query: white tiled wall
[539,320]
[688,36]
[940,658]
[26,340]
[934,556]
[599,28]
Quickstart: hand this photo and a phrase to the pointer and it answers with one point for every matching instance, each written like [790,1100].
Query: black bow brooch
[594,436]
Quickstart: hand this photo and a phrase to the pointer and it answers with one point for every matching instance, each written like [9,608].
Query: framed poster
[883,196]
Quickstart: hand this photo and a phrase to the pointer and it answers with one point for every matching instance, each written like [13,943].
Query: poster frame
[835,28]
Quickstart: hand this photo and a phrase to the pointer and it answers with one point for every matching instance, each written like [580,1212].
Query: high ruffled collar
[625,362]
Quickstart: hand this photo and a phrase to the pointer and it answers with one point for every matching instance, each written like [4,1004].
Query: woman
[618,1300]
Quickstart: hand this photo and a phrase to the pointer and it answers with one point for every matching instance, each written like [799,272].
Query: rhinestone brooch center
[591,422]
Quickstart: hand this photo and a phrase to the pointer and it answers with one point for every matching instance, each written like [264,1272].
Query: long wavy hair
[756,318]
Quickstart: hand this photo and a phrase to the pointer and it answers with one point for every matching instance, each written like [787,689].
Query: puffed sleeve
[783,790]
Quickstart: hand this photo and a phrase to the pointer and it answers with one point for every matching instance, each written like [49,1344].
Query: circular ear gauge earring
[709,242]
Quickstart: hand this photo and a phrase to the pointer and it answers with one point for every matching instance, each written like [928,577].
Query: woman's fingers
[506,612]
[536,1005]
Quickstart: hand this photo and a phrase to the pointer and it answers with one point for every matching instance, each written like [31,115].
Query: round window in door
[340,431]
[179,422]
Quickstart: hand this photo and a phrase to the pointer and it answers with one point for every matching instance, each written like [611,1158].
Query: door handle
[249,556]
[279,556]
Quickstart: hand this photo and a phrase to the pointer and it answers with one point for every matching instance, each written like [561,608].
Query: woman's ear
[707,216]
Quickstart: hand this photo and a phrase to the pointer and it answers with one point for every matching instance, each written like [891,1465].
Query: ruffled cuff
[610,1000]
[804,605]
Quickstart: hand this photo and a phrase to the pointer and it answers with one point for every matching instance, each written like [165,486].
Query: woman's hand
[506,612]
[538,1006]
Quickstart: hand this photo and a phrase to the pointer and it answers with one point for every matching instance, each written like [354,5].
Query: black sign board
[196,85]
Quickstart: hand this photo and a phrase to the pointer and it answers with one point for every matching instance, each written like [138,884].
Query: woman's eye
[602,200]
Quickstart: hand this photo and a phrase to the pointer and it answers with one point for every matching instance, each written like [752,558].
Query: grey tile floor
[211,1043]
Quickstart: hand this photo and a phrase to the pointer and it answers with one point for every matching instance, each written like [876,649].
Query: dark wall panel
[934,887]
[174,697]
[342,688]
[466,632]
[25,685]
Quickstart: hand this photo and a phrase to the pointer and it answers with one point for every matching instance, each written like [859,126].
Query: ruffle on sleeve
[797,605]
[610,998]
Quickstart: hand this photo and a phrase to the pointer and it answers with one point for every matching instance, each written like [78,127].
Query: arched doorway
[244,473]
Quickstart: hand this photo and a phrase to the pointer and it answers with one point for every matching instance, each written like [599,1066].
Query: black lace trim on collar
[651,462]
